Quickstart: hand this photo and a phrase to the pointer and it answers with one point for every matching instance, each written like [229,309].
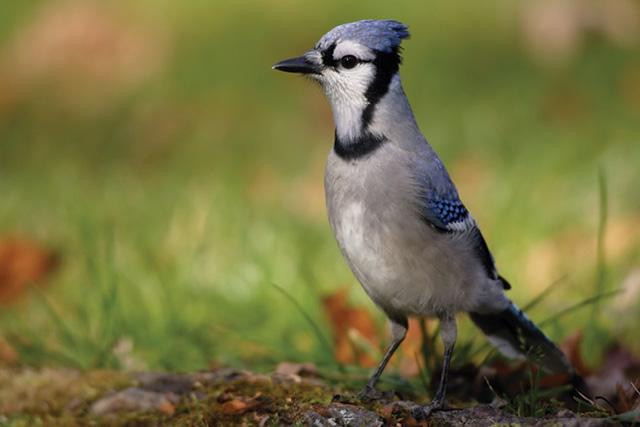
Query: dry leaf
[236,406]
[620,367]
[7,353]
[411,350]
[571,347]
[166,407]
[23,262]
[344,318]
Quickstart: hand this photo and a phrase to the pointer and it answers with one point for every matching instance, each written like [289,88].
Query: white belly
[398,277]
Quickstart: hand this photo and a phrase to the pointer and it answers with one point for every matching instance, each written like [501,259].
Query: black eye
[348,61]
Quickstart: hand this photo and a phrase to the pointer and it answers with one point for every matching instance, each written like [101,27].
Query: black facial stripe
[361,146]
[329,61]
[327,56]
[386,65]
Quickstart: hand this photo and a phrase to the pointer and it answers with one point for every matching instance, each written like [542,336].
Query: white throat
[348,102]
[347,99]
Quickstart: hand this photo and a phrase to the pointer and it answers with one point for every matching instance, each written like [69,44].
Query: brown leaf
[23,262]
[620,367]
[7,353]
[571,347]
[624,400]
[410,349]
[387,411]
[352,325]
[344,319]
[237,406]
[554,380]
[166,407]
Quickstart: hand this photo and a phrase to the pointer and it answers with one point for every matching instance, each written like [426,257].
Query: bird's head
[355,63]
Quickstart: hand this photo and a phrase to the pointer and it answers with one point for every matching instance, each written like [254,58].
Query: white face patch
[346,88]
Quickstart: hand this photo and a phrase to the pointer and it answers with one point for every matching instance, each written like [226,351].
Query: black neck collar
[358,147]
[386,66]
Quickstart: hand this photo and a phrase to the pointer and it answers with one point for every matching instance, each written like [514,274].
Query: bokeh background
[161,201]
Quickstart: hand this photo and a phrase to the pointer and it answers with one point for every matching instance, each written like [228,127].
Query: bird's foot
[423,412]
[370,393]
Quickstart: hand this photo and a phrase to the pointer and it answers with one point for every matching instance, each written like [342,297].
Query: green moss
[50,397]
[54,393]
[63,397]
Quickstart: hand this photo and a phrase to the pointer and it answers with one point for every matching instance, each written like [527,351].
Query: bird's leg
[448,333]
[398,332]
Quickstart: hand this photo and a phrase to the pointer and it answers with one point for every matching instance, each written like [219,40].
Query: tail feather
[514,335]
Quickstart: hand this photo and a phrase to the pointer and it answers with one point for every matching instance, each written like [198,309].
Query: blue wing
[445,212]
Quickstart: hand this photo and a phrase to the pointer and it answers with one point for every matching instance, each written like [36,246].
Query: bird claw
[423,412]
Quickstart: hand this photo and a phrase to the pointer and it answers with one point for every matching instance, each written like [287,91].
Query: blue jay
[406,235]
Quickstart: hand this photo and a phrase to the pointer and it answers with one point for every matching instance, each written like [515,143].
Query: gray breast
[403,264]
[374,219]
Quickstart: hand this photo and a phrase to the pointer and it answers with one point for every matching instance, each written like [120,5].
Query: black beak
[297,65]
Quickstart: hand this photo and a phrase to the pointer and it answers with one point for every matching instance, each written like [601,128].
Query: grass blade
[600,248]
[545,293]
[314,326]
[588,301]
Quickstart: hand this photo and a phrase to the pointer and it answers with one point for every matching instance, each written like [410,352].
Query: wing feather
[445,212]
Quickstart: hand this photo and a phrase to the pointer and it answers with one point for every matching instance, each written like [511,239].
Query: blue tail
[514,335]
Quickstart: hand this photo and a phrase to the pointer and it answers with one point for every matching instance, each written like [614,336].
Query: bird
[396,214]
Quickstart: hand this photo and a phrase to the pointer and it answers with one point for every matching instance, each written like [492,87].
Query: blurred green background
[178,178]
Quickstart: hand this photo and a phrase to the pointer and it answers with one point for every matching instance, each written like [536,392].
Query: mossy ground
[225,397]
[64,398]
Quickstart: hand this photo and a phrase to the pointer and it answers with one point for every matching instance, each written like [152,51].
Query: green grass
[177,203]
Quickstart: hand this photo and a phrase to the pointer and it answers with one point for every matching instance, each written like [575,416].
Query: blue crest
[381,35]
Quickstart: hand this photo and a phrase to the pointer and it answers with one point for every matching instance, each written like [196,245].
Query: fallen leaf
[410,352]
[342,318]
[571,347]
[23,262]
[234,407]
[166,407]
[624,399]
[620,369]
[7,353]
